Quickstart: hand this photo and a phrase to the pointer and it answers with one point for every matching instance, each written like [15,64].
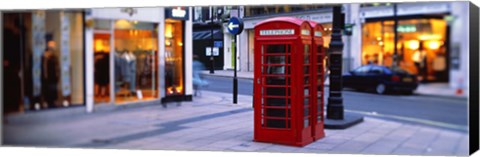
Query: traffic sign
[235,26]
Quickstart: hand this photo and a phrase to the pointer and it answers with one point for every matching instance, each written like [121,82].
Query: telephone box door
[273,89]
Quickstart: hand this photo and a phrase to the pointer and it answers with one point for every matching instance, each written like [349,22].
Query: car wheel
[380,88]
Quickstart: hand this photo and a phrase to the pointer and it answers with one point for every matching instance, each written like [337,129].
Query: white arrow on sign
[231,26]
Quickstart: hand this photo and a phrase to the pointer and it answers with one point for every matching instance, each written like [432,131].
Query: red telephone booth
[282,78]
[318,71]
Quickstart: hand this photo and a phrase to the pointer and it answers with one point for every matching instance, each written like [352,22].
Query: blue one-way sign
[235,26]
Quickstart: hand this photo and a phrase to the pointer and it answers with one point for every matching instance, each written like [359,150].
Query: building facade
[96,57]
[43,56]
[211,41]
[432,39]
[252,15]
[432,36]
[138,55]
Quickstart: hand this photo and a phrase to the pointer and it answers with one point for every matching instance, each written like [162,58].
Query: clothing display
[119,61]
[129,70]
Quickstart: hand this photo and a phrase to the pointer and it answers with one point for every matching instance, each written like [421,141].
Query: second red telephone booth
[318,74]
[282,82]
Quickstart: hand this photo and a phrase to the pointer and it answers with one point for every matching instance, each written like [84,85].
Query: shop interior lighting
[429,37]
[381,43]
[123,24]
[169,31]
[433,45]
[413,44]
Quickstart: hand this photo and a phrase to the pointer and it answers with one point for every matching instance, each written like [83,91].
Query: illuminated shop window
[174,81]
[421,46]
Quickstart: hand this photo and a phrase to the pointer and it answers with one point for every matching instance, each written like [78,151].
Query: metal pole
[235,80]
[22,62]
[335,100]
[395,35]
[212,40]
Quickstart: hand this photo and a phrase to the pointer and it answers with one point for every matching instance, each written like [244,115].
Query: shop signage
[150,14]
[178,13]
[129,11]
[376,12]
[422,8]
[218,44]
[208,51]
[407,28]
[216,51]
[278,32]
[317,17]
[318,33]
[405,9]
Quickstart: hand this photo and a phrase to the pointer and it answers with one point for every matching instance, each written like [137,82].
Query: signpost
[235,27]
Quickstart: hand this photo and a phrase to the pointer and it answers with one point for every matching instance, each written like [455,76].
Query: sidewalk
[213,123]
[429,89]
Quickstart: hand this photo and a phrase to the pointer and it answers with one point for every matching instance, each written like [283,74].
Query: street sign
[216,51]
[218,44]
[208,51]
[235,26]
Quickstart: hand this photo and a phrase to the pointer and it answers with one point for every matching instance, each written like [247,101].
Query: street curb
[213,75]
[327,85]
[442,96]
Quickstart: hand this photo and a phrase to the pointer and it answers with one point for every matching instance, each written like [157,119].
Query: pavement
[211,122]
[427,89]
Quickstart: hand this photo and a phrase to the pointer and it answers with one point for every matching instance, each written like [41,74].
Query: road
[428,110]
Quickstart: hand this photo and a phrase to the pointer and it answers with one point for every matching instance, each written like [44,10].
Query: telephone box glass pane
[278,48]
[307,54]
[275,80]
[274,65]
[276,123]
[275,102]
[276,70]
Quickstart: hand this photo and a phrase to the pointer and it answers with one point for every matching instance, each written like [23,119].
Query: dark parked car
[381,79]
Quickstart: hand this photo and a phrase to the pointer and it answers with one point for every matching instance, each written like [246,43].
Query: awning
[206,34]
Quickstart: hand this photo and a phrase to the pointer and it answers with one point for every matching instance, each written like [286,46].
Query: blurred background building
[438,29]
[108,56]
[138,55]
[26,36]
[432,36]
[254,14]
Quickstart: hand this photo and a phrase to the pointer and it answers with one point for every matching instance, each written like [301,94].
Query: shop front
[43,56]
[423,39]
[136,55]
[421,46]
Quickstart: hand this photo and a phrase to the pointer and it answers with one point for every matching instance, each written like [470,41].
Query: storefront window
[135,61]
[420,47]
[46,48]
[174,81]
